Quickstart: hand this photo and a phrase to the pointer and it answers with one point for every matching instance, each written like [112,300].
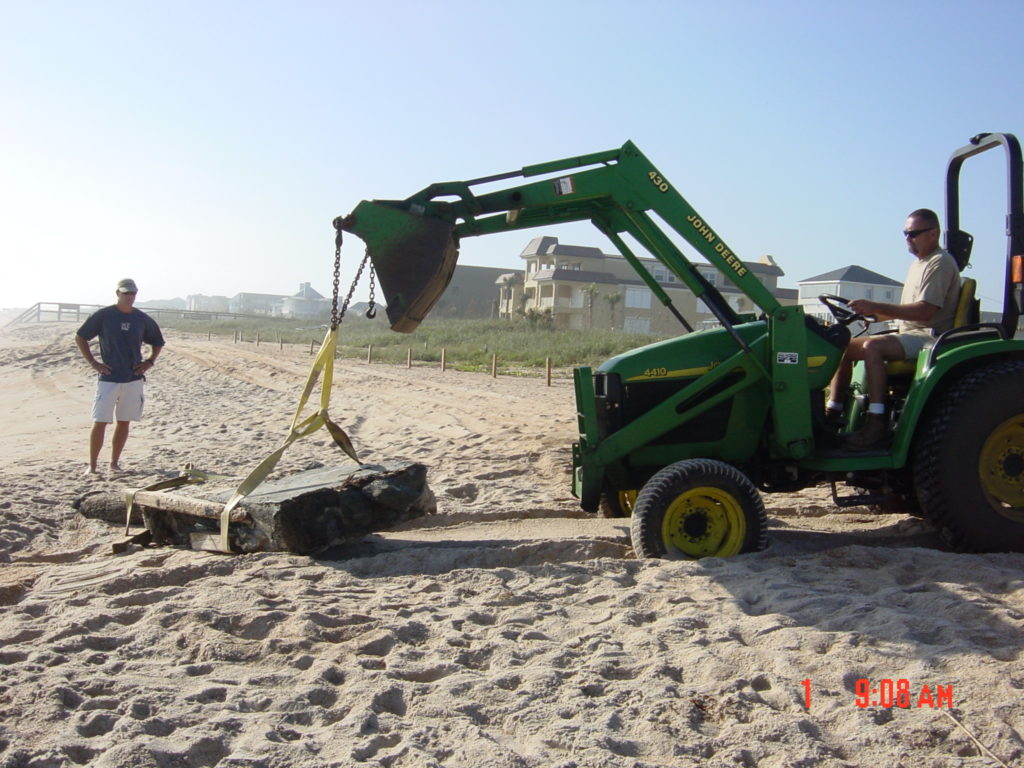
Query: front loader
[685,434]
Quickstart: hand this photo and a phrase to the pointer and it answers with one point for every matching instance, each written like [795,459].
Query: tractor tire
[968,461]
[698,508]
[617,503]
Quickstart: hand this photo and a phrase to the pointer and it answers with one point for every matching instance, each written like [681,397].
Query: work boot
[834,418]
[872,434]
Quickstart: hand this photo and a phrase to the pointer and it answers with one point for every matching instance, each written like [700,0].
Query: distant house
[583,287]
[850,282]
[256,303]
[473,293]
[305,304]
[197,302]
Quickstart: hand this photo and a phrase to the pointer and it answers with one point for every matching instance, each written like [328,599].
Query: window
[634,324]
[638,298]
[869,293]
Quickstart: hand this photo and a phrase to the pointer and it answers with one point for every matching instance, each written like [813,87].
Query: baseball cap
[127,286]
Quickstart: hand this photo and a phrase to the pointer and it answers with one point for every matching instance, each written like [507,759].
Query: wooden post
[257,338]
[408,358]
[369,353]
[311,343]
[442,359]
[208,335]
[494,366]
[547,364]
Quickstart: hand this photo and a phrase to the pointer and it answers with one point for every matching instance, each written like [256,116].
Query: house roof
[852,274]
[306,292]
[546,245]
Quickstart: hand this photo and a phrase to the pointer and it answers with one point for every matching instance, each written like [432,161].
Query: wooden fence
[54,311]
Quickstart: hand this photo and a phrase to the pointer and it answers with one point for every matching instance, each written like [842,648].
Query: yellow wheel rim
[1001,468]
[626,501]
[704,521]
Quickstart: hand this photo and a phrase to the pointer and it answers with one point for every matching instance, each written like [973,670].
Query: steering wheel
[841,309]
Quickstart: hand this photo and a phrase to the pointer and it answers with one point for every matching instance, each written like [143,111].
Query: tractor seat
[966,312]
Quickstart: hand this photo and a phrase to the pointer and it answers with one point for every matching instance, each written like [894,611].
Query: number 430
[659,182]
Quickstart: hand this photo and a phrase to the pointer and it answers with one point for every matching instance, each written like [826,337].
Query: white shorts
[121,399]
[913,343]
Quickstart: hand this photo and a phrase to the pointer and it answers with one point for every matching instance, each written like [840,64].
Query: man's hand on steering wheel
[846,311]
[866,308]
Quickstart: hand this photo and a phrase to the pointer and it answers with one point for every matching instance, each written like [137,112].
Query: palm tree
[508,284]
[590,291]
[613,299]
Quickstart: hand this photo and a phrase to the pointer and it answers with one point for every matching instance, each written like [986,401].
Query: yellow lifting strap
[323,364]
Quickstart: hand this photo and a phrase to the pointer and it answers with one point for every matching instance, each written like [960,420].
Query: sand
[508,630]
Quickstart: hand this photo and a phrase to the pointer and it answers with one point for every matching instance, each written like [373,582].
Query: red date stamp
[890,693]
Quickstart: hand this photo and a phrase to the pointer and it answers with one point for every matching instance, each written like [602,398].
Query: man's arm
[145,365]
[83,347]
[918,312]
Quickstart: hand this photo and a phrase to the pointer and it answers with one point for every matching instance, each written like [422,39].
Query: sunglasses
[910,234]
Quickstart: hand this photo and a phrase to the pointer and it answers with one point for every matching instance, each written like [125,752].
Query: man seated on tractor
[926,309]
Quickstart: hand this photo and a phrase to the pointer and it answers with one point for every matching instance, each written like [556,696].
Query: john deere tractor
[685,434]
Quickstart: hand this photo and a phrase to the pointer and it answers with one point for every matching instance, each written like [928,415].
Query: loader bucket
[414,257]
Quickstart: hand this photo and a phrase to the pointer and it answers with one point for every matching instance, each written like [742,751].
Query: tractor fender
[931,382]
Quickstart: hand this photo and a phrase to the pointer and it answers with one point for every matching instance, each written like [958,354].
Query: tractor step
[857,500]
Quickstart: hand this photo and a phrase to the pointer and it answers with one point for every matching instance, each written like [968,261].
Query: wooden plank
[188,505]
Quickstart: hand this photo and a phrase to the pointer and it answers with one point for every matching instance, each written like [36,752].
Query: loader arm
[413,243]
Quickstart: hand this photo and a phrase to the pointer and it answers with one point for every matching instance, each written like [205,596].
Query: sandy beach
[508,630]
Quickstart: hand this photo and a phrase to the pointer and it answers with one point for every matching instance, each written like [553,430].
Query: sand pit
[508,630]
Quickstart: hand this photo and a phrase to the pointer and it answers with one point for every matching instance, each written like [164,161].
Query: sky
[206,147]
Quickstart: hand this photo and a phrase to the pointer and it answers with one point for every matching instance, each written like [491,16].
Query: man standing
[122,330]
[926,309]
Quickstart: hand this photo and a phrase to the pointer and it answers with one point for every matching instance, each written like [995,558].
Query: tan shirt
[936,280]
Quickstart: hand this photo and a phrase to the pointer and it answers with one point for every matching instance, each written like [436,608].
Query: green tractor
[685,434]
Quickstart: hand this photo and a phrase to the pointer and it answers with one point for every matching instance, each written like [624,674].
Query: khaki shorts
[123,400]
[913,343]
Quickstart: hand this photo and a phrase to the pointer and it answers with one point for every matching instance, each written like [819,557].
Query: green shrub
[521,342]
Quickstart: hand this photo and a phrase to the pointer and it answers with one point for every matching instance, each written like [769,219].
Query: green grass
[468,344]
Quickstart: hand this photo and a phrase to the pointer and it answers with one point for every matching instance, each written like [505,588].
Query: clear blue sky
[205,147]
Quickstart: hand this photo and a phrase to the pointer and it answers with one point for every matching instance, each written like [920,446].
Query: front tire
[617,503]
[698,508]
[969,461]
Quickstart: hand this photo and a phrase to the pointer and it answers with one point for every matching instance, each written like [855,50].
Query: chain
[336,314]
[371,309]
[335,317]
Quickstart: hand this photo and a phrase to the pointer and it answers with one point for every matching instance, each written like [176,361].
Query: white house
[850,282]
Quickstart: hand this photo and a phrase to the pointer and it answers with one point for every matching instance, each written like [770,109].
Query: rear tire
[698,508]
[969,461]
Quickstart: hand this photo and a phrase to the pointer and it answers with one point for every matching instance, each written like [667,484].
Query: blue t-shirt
[122,335]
